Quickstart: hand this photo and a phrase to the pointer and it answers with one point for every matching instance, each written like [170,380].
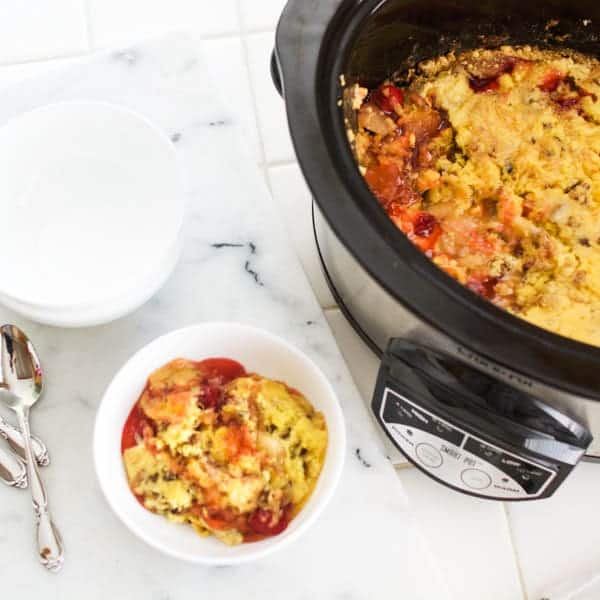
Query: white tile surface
[271,111]
[586,587]
[226,56]
[38,29]
[362,361]
[363,365]
[558,539]
[123,21]
[11,75]
[294,198]
[260,14]
[470,538]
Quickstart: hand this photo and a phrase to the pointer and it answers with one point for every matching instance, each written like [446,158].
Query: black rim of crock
[311,57]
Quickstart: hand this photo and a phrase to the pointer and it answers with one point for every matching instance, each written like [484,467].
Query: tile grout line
[88,21]
[44,59]
[244,38]
[513,545]
[330,307]
[231,34]
[281,163]
[267,176]
[403,466]
[226,35]
[91,48]
[259,30]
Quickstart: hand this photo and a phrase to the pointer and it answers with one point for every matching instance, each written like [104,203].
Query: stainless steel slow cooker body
[480,385]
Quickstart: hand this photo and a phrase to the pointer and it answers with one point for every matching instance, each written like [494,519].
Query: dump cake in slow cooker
[489,162]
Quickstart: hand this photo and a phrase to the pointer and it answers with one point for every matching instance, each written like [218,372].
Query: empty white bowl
[93,197]
[259,352]
[96,314]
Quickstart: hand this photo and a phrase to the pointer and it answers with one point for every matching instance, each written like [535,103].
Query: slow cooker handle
[276,74]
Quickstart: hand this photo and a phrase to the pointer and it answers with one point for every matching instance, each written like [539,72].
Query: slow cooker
[476,398]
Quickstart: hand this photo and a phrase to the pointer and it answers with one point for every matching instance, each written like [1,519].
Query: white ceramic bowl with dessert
[168,484]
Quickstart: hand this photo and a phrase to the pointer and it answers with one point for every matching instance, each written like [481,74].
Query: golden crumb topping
[233,454]
[489,161]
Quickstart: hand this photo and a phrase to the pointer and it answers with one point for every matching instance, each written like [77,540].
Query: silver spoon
[20,389]
[13,471]
[15,440]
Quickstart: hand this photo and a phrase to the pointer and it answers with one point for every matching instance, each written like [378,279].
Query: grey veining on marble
[237,264]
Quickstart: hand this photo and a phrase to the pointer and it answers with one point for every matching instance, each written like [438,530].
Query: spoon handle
[13,471]
[50,544]
[15,440]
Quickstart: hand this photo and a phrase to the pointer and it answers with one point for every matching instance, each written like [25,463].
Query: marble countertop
[236,265]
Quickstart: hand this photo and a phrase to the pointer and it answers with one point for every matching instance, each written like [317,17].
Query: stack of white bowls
[92,207]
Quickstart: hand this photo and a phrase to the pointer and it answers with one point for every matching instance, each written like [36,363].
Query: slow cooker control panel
[458,458]
[471,431]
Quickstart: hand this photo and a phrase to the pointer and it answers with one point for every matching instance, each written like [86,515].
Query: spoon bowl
[20,370]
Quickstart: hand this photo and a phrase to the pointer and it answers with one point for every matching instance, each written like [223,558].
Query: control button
[429,456]
[476,479]
[399,410]
[446,432]
[483,450]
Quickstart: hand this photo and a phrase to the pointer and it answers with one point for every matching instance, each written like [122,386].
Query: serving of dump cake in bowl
[233,454]
[201,445]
